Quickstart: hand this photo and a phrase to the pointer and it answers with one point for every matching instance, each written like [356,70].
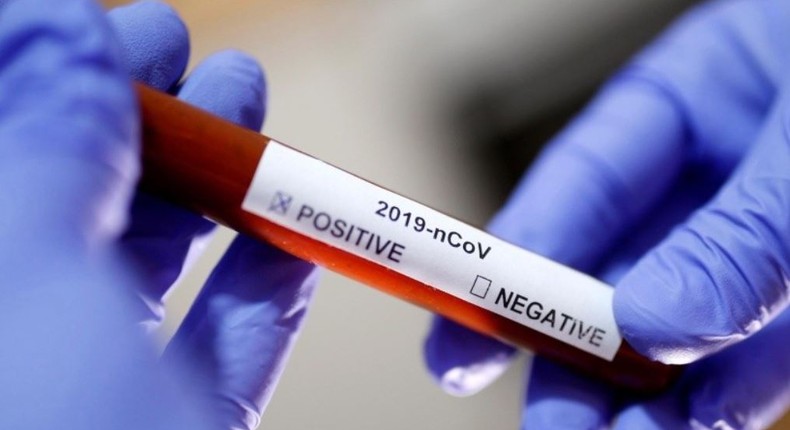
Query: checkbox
[480,286]
[280,203]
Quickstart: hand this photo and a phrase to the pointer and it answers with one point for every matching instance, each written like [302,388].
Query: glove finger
[462,361]
[686,196]
[162,236]
[229,84]
[559,399]
[154,41]
[746,386]
[722,275]
[743,387]
[242,327]
[68,130]
[594,180]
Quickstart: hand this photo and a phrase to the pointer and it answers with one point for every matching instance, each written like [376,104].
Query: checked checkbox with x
[281,202]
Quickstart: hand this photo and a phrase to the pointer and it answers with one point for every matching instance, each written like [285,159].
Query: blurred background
[445,101]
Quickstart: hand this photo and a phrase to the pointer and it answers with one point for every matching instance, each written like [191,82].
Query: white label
[329,205]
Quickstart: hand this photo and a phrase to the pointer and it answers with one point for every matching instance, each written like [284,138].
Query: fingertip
[230,84]
[646,310]
[461,361]
[468,380]
[154,40]
[243,326]
[681,302]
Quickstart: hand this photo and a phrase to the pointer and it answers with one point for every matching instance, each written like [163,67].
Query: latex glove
[75,259]
[674,184]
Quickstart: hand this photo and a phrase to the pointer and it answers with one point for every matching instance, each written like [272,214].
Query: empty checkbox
[480,286]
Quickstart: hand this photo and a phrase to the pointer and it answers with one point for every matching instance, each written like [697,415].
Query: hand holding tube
[673,185]
[77,259]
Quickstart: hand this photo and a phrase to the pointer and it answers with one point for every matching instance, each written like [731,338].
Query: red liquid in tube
[207,165]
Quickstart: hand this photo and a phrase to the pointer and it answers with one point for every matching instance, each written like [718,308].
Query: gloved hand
[673,185]
[80,249]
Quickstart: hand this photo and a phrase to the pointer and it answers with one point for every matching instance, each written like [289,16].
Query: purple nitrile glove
[673,185]
[80,249]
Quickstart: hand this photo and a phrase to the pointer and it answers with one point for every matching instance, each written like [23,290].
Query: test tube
[266,190]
